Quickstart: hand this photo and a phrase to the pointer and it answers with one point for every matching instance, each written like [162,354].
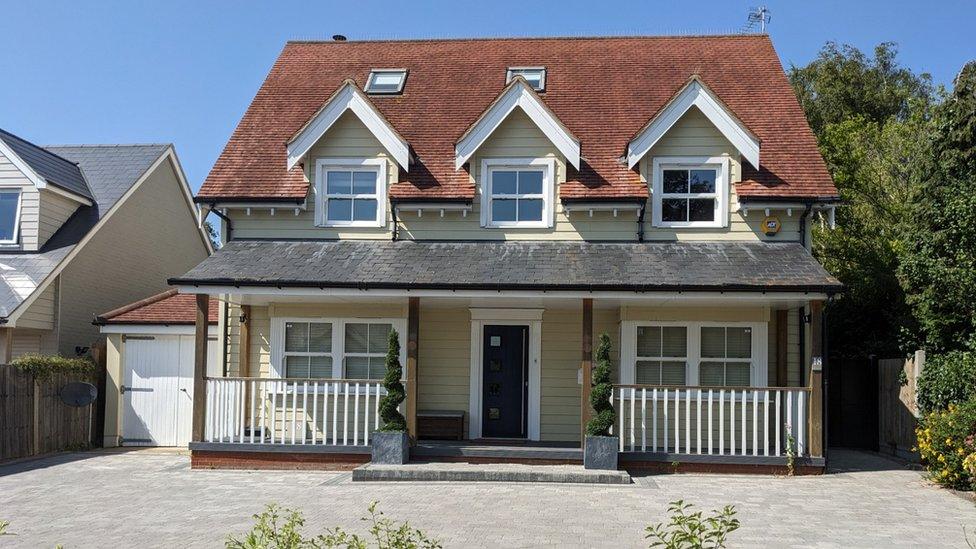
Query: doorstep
[486,472]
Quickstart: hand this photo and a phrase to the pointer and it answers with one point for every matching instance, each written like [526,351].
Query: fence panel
[897,409]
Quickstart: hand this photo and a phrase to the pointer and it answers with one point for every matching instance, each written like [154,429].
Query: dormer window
[9,215]
[535,76]
[386,81]
[690,192]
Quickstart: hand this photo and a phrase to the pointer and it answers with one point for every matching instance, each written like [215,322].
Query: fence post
[918,368]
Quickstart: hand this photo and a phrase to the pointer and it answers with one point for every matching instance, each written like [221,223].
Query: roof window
[535,76]
[386,81]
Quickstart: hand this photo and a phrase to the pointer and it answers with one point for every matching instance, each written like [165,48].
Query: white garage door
[158,397]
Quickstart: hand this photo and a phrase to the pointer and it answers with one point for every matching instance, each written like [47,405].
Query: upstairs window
[535,76]
[517,195]
[9,215]
[386,81]
[690,194]
[351,193]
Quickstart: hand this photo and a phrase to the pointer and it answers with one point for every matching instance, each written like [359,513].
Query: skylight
[535,76]
[386,81]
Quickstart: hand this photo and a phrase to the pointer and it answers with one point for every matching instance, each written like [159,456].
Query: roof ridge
[107,145]
[564,37]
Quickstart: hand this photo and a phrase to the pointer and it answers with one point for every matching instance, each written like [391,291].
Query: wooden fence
[34,420]
[897,408]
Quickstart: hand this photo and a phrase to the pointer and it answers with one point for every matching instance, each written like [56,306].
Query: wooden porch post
[244,345]
[586,366]
[200,367]
[816,379]
[413,335]
[782,344]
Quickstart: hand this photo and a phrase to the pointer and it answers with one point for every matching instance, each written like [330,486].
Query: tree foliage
[604,415]
[393,420]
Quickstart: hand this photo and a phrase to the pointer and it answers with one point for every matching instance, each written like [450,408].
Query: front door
[505,361]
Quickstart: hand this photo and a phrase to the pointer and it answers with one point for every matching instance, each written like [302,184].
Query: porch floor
[486,472]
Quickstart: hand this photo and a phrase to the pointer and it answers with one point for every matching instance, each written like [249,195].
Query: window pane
[675,341]
[340,209]
[8,215]
[673,373]
[530,182]
[339,182]
[296,337]
[320,367]
[364,210]
[377,367]
[739,342]
[530,209]
[503,182]
[364,182]
[356,336]
[296,366]
[674,209]
[648,372]
[357,367]
[701,209]
[503,210]
[713,342]
[711,373]
[648,341]
[737,374]
[675,181]
[702,181]
[379,337]
[320,337]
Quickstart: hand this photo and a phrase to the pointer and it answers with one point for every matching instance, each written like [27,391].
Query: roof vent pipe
[339,37]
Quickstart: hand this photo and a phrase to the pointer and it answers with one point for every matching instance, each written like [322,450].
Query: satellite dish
[78,394]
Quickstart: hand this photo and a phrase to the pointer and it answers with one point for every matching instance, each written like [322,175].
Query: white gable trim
[698,95]
[35,178]
[349,98]
[518,94]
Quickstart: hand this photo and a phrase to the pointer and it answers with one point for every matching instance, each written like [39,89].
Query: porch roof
[548,266]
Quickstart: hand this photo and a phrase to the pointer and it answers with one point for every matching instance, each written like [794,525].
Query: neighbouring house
[85,229]
[501,203]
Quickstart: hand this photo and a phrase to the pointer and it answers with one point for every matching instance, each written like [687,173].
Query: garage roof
[169,307]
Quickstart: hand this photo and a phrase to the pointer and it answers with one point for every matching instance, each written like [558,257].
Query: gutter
[807,210]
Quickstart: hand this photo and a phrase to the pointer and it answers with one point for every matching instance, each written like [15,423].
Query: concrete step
[488,472]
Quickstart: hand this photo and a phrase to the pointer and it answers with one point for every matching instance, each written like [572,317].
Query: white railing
[287,411]
[746,421]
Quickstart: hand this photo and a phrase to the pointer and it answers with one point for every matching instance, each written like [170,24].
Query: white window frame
[322,167]
[721,195]
[369,81]
[20,204]
[338,342]
[759,363]
[686,358]
[548,167]
[512,71]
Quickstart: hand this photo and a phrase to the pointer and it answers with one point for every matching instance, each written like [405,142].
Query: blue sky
[185,71]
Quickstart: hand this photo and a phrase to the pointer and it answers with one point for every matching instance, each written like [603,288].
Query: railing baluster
[791,423]
[766,424]
[355,418]
[699,422]
[325,414]
[304,408]
[801,419]
[243,397]
[633,399]
[677,421]
[778,422]
[643,420]
[687,421]
[667,418]
[274,411]
[376,413]
[710,431]
[366,417]
[721,421]
[621,436]
[755,423]
[294,410]
[264,404]
[313,422]
[732,422]
[345,414]
[252,388]
[654,418]
[742,439]
[335,413]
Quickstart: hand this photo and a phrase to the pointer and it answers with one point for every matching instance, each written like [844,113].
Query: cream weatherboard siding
[516,137]
[42,313]
[11,176]
[54,210]
[151,237]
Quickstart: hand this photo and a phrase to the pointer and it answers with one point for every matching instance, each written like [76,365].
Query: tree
[938,263]
[604,415]
[393,420]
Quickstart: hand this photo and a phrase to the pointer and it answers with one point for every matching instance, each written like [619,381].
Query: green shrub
[44,366]
[393,420]
[946,379]
[693,530]
[384,533]
[604,416]
[947,445]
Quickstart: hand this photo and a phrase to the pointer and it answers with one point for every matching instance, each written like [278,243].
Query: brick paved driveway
[151,498]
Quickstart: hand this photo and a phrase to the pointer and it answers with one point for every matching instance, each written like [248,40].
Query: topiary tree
[604,416]
[393,420]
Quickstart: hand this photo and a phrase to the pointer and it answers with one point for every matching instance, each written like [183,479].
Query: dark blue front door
[505,381]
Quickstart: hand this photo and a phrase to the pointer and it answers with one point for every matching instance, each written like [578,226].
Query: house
[500,203]
[85,229]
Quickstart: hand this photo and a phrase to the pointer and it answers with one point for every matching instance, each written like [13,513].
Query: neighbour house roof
[49,166]
[169,307]
[604,91]
[583,266]
[109,171]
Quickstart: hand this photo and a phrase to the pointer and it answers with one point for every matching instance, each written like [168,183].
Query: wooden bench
[440,425]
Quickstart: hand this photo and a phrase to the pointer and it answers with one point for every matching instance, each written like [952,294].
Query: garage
[149,360]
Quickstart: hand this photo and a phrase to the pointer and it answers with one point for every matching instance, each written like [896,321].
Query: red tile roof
[168,307]
[603,89]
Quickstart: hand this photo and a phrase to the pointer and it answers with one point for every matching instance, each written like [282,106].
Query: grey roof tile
[56,170]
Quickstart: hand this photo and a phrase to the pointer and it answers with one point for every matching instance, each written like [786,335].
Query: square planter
[390,448]
[601,453]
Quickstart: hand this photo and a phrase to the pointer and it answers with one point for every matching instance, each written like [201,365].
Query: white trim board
[518,94]
[348,97]
[506,317]
[694,94]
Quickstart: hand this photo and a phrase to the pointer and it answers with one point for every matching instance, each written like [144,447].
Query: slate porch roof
[584,266]
[603,89]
